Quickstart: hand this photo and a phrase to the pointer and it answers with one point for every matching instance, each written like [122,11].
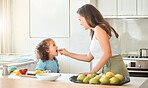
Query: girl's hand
[48,71]
[63,51]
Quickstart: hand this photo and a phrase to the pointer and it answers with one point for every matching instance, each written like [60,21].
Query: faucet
[5,70]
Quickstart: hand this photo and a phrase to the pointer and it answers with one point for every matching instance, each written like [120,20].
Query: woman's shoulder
[98,28]
[99,31]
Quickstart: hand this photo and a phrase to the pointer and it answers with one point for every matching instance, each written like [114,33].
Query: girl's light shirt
[48,65]
[96,49]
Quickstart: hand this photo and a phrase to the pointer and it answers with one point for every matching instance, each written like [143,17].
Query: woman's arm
[103,39]
[80,57]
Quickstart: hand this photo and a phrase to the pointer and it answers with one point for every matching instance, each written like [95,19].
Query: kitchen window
[5,24]
[0,24]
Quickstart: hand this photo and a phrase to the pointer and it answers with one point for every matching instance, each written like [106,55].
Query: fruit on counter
[17,73]
[23,71]
[104,79]
[81,77]
[101,74]
[114,80]
[93,81]
[110,74]
[108,78]
[97,77]
[90,75]
[39,71]
[94,74]
[86,79]
[120,77]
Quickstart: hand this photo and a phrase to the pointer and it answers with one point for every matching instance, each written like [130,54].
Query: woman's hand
[63,51]
[86,73]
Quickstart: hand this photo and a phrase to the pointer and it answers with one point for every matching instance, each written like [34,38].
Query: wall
[77,42]
[0,24]
[132,34]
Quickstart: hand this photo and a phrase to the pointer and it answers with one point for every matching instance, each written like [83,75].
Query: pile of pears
[102,78]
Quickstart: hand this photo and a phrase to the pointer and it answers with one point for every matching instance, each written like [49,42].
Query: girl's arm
[80,57]
[103,39]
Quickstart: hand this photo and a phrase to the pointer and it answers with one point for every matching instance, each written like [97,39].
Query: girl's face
[83,22]
[53,49]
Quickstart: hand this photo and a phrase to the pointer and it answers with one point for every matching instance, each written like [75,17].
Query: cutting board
[29,76]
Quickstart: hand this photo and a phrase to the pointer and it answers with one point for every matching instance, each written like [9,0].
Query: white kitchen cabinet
[142,7]
[126,7]
[49,18]
[122,8]
[107,7]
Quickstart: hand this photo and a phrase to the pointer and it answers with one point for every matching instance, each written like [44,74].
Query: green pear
[104,79]
[86,79]
[90,75]
[113,80]
[120,77]
[81,77]
[101,74]
[97,77]
[93,81]
[94,74]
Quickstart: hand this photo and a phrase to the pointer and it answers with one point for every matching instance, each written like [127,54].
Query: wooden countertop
[23,83]
[17,82]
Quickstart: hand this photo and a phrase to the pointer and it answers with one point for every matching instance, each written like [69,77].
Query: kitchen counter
[61,82]
[22,83]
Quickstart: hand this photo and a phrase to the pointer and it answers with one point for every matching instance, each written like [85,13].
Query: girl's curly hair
[41,50]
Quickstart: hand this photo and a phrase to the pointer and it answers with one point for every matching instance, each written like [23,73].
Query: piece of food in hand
[81,77]
[48,71]
[23,71]
[17,73]
[39,71]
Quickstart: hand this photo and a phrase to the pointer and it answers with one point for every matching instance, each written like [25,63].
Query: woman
[104,48]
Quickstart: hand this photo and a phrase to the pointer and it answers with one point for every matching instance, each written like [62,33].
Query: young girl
[46,51]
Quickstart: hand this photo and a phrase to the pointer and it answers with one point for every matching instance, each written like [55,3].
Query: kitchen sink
[11,59]
[5,63]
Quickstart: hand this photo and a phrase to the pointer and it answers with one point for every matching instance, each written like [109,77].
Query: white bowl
[48,76]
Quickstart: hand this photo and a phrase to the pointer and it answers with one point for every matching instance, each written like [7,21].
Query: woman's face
[83,22]
[53,49]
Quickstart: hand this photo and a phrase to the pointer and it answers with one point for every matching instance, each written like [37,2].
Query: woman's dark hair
[41,50]
[93,18]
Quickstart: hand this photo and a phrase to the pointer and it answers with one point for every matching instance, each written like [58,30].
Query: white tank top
[96,49]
